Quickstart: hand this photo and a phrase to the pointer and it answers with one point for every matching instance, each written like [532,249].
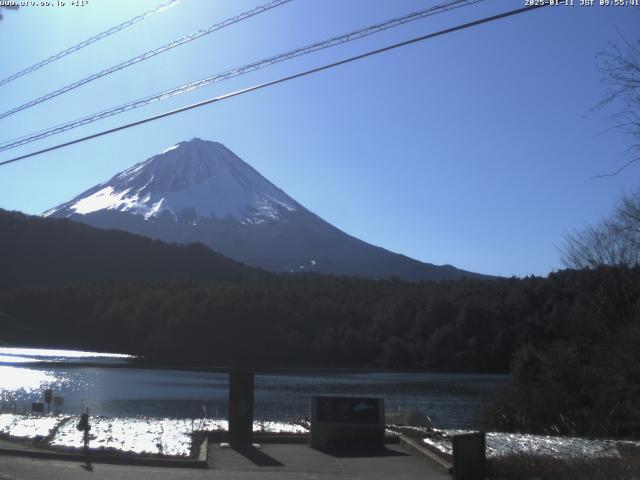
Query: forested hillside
[468,325]
[37,251]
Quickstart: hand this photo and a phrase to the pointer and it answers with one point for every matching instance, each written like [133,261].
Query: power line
[281,80]
[331,42]
[89,41]
[147,55]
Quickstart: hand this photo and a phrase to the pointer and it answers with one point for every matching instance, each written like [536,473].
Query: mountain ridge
[200,191]
[201,169]
[53,251]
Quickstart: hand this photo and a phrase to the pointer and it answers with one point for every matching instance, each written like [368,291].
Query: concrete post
[241,406]
[469,456]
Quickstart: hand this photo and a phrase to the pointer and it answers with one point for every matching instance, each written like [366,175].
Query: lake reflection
[451,400]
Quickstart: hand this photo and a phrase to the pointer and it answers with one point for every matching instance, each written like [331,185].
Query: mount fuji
[200,191]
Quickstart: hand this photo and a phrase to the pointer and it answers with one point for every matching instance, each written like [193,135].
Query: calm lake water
[109,389]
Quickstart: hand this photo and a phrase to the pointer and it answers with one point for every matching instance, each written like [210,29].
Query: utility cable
[89,41]
[333,41]
[281,80]
[147,55]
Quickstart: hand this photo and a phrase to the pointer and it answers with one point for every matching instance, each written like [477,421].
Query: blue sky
[474,149]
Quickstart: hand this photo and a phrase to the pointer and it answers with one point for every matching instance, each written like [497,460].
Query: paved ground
[273,461]
[23,445]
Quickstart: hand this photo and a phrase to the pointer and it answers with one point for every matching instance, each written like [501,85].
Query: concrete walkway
[17,448]
[11,444]
[272,461]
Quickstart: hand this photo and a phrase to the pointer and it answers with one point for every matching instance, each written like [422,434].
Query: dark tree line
[586,377]
[468,325]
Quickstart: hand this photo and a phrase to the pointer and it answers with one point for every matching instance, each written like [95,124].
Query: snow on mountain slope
[202,177]
[200,191]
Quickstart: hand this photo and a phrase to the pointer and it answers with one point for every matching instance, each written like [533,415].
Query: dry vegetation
[524,467]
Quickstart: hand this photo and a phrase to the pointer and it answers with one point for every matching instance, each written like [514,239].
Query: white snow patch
[499,444]
[165,436]
[27,426]
[201,176]
[155,436]
[171,148]
[155,208]
[103,199]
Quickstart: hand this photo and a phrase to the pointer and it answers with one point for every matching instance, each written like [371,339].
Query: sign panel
[347,422]
[37,407]
[348,409]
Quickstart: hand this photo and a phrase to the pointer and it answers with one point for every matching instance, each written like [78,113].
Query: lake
[108,387]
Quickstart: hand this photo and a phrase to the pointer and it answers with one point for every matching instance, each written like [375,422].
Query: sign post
[84,427]
[57,403]
[48,396]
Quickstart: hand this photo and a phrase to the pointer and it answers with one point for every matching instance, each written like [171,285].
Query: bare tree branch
[620,70]
[614,242]
[620,170]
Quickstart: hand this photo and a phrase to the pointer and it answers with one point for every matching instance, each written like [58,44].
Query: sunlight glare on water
[17,359]
[47,352]
[23,379]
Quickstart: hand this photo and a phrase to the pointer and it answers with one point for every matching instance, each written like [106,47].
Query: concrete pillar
[241,406]
[469,456]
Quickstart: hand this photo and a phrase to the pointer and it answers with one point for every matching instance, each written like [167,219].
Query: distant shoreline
[275,370]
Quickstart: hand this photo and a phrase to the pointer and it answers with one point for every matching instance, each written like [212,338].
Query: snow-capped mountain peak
[200,191]
[202,177]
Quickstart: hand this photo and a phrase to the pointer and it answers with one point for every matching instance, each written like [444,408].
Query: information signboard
[351,422]
[348,409]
